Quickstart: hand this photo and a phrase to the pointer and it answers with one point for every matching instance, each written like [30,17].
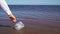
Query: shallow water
[37,20]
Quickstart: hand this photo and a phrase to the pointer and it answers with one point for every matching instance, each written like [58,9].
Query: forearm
[5,7]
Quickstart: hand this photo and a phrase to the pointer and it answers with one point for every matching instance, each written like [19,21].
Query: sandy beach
[32,26]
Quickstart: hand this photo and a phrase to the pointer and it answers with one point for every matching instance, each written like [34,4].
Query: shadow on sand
[5,26]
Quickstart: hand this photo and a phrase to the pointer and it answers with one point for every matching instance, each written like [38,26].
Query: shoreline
[32,26]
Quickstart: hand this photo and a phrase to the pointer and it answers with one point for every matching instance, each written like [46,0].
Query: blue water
[33,11]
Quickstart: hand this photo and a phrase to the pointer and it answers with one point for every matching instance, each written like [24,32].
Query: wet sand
[32,26]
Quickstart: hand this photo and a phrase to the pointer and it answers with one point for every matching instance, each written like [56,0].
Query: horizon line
[20,4]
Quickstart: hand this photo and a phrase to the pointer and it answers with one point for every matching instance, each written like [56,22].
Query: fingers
[13,18]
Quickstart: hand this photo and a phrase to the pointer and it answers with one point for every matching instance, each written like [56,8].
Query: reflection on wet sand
[32,26]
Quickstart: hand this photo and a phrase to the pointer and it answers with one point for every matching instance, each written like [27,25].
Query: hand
[12,17]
